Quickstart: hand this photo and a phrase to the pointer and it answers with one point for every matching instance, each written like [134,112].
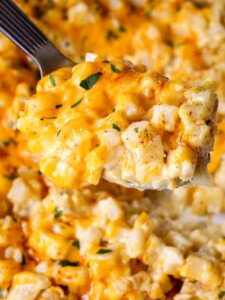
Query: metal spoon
[22,32]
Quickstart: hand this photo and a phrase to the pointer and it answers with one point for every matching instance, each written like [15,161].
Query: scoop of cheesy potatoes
[114,120]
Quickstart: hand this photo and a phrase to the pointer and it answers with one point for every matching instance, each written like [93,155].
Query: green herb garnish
[115,69]
[148,13]
[111,35]
[122,29]
[169,43]
[90,81]
[88,265]
[76,244]
[76,103]
[1,293]
[116,127]
[52,79]
[136,129]
[14,219]
[66,263]
[58,213]
[103,251]
[181,137]
[23,262]
[47,118]
[58,106]
[7,143]
[221,294]
[9,177]
[58,132]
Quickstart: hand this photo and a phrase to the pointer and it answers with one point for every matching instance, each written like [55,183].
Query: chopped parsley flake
[148,13]
[122,29]
[1,293]
[58,106]
[103,251]
[115,69]
[169,43]
[76,103]
[52,79]
[221,294]
[58,213]
[181,137]
[76,244]
[7,143]
[14,219]
[23,262]
[66,263]
[111,35]
[116,127]
[58,132]
[88,265]
[47,118]
[90,81]
[9,177]
[136,129]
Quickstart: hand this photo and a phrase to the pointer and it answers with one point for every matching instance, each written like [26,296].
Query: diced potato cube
[8,268]
[88,237]
[170,259]
[107,266]
[134,241]
[179,241]
[49,244]
[153,248]
[77,278]
[163,116]
[203,270]
[144,142]
[145,223]
[203,203]
[27,285]
[181,163]
[109,208]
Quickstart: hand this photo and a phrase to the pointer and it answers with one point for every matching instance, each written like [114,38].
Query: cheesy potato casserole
[133,127]
[105,241]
